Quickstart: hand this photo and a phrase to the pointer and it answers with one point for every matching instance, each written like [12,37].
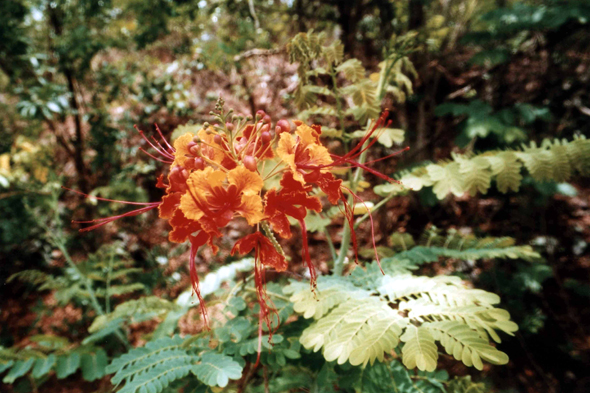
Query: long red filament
[162,148]
[372,226]
[164,139]
[312,272]
[370,170]
[263,302]
[161,151]
[389,156]
[106,220]
[195,244]
[113,200]
[154,157]
[359,146]
[349,215]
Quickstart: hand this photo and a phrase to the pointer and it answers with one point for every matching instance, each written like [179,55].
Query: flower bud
[249,163]
[266,119]
[196,139]
[217,139]
[265,128]
[195,150]
[184,173]
[175,171]
[229,126]
[260,113]
[191,144]
[283,126]
[199,163]
[265,137]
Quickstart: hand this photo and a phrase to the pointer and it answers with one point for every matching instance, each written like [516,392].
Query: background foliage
[491,222]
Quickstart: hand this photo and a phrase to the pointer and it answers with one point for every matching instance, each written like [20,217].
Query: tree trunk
[387,15]
[79,145]
[78,142]
[416,17]
[349,15]
[300,11]
[418,110]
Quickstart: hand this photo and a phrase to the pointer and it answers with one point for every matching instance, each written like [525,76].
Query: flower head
[215,177]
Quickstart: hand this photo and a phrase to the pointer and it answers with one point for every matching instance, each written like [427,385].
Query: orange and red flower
[214,178]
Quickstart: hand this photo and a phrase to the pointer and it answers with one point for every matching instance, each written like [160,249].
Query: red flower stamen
[106,220]
[156,158]
[172,149]
[196,242]
[351,223]
[264,254]
[312,273]
[349,215]
[112,200]
[167,155]
[389,156]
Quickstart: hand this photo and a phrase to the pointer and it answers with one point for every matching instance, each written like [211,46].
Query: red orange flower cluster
[220,173]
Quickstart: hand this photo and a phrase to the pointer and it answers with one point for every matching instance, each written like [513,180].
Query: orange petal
[269,256]
[251,209]
[281,225]
[319,155]
[202,182]
[286,152]
[328,184]
[191,206]
[169,204]
[182,227]
[248,182]
[181,147]
[307,135]
[215,155]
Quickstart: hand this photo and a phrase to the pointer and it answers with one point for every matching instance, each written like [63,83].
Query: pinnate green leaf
[216,369]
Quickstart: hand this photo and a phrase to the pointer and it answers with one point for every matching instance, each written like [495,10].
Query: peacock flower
[215,197]
[310,162]
[215,177]
[303,150]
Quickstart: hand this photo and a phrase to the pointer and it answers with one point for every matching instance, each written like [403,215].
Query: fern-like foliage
[556,160]
[362,92]
[355,320]
[134,310]
[39,279]
[216,369]
[153,367]
[160,362]
[54,354]
[107,271]
[431,248]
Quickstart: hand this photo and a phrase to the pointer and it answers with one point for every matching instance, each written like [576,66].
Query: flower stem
[339,112]
[58,242]
[345,245]
[330,244]
[56,237]
[354,179]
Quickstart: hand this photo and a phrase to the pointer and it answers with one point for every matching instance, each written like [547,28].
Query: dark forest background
[77,75]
